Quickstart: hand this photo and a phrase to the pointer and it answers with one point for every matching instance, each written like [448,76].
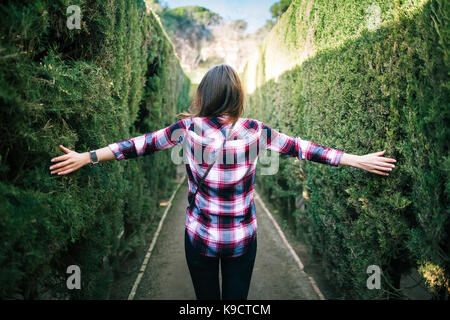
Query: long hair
[219,93]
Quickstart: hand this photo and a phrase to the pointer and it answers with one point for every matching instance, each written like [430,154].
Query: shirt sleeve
[151,142]
[296,147]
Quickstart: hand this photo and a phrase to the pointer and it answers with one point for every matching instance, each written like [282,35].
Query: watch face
[94,158]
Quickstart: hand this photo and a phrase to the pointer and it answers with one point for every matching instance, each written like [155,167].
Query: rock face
[203,39]
[230,44]
[190,29]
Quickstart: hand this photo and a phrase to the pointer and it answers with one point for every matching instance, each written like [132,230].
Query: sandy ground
[275,275]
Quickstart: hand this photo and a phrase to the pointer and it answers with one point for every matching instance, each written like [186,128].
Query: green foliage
[240,25]
[364,91]
[115,78]
[277,9]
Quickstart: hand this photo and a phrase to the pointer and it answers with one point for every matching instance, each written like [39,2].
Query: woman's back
[227,181]
[222,220]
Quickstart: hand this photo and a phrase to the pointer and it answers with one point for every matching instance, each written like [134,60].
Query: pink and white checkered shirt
[222,221]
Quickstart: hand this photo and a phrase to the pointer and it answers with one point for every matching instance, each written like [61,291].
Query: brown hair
[219,93]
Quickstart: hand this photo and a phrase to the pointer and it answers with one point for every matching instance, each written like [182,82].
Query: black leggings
[236,273]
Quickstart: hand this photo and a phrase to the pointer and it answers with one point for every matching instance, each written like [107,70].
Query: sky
[254,12]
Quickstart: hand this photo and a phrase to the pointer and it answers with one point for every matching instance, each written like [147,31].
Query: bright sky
[255,12]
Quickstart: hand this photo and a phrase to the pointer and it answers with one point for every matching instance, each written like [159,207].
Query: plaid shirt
[222,221]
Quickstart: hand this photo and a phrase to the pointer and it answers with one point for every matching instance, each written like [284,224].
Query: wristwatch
[94,159]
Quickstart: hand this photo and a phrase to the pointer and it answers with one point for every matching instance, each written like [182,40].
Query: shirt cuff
[114,147]
[336,157]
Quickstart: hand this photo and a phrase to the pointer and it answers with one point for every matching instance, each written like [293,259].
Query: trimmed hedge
[116,77]
[324,75]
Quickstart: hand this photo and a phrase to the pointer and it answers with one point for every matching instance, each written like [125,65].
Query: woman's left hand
[375,163]
[69,162]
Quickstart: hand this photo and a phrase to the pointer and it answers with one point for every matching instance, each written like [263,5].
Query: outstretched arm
[302,149]
[125,149]
[72,160]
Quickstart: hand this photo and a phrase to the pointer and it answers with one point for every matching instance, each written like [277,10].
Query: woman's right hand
[69,162]
[375,163]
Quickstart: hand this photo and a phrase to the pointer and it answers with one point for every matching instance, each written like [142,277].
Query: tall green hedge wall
[117,77]
[327,75]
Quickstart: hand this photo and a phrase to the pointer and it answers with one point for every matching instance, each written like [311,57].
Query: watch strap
[94,158]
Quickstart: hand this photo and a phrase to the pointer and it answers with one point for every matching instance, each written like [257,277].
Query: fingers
[65,169]
[384,164]
[63,157]
[65,149]
[378,165]
[60,158]
[68,171]
[379,172]
[61,164]
[382,158]
[377,153]
[382,168]
[67,163]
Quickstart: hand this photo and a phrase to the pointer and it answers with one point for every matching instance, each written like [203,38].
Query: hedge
[116,77]
[326,75]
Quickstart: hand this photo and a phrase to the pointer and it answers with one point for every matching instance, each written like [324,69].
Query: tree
[240,25]
[279,8]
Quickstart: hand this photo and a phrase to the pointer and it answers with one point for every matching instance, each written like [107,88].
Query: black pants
[236,273]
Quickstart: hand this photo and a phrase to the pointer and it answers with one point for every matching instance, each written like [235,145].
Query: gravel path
[276,275]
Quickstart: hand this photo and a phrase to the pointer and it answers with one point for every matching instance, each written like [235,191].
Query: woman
[221,224]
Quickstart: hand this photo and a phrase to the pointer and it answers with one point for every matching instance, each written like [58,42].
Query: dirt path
[276,275]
